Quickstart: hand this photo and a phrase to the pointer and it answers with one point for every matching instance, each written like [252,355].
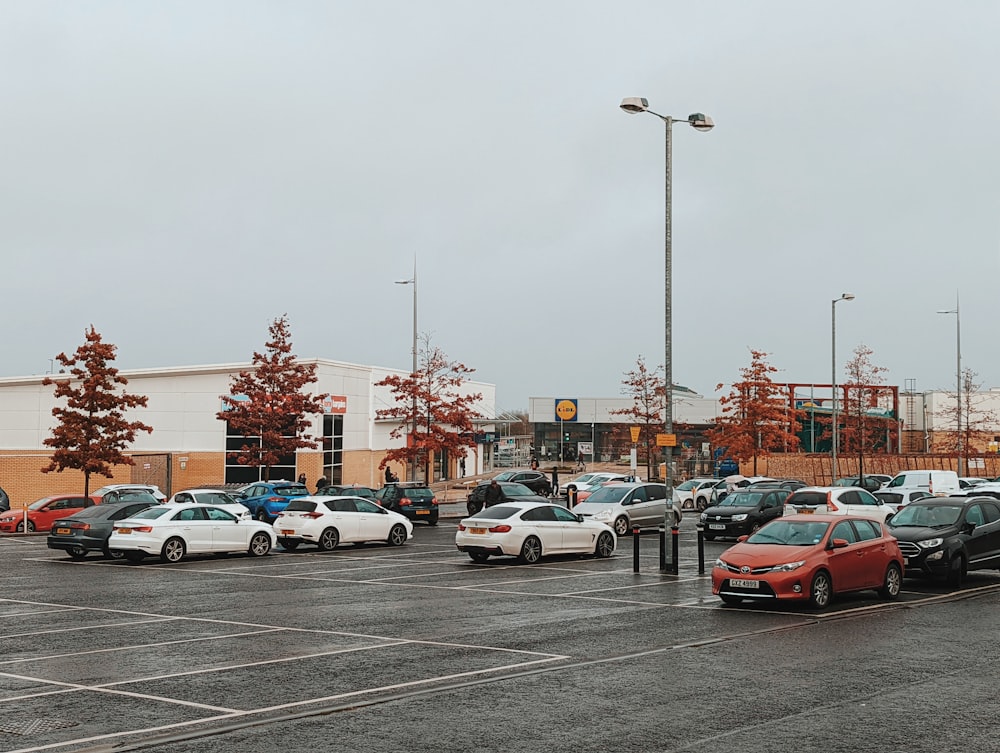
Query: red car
[810,558]
[41,513]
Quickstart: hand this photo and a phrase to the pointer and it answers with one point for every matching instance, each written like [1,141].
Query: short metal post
[635,549]
[701,549]
[675,539]
[663,549]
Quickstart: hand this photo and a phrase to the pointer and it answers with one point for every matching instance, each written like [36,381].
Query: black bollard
[675,539]
[701,549]
[635,549]
[663,549]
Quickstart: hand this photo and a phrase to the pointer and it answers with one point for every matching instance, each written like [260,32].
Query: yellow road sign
[666,440]
[635,430]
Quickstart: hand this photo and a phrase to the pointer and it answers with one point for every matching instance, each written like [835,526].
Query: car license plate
[63,532]
[286,532]
[123,530]
[806,511]
[423,512]
[738,583]
[477,530]
[717,526]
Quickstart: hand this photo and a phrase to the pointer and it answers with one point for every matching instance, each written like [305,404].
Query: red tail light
[142,529]
[500,529]
[434,501]
[831,506]
[312,515]
[275,499]
[405,502]
[80,526]
[461,527]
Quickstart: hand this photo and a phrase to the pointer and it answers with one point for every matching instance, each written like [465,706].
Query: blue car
[266,499]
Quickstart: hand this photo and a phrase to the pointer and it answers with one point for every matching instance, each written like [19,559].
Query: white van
[935,483]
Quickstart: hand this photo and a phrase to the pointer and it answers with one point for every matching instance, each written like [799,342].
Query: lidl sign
[565,410]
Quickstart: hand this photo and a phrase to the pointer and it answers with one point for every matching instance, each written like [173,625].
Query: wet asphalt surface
[418,649]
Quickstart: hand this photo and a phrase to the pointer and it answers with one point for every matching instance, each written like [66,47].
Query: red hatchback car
[810,558]
[40,514]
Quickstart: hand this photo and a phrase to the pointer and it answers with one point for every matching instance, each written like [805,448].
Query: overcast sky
[178,174]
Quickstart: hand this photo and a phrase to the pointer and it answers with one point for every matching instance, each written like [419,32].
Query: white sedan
[327,521]
[175,529]
[529,530]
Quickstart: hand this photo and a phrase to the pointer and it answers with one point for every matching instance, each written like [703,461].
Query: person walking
[494,494]
[388,475]
[321,484]
[302,479]
[461,468]
[555,482]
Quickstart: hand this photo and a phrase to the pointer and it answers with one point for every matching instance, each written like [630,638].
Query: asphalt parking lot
[416,648]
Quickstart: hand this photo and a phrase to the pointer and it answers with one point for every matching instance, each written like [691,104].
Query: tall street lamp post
[413,281]
[833,379]
[958,384]
[700,122]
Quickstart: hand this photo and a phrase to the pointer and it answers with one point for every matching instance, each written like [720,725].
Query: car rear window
[291,491]
[497,512]
[806,498]
[417,494]
[301,505]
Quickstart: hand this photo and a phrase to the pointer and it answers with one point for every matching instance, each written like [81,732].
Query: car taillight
[142,529]
[80,526]
[405,502]
[434,501]
[500,529]
[312,515]
[831,506]
[461,527]
[274,499]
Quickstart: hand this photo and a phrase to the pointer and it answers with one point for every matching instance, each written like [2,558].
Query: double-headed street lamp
[700,122]
[413,281]
[833,379]
[958,385]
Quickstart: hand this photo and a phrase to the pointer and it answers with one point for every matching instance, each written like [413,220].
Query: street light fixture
[833,380]
[700,122]
[958,385]
[413,281]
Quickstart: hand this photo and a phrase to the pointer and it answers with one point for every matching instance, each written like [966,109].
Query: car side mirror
[579,518]
[838,543]
[968,527]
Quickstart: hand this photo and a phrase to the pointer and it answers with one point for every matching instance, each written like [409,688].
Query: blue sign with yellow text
[565,409]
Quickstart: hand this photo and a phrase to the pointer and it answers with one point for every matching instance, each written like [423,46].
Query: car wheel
[261,515]
[531,550]
[260,544]
[479,557]
[892,583]
[730,599]
[605,545]
[77,553]
[113,554]
[472,507]
[328,540]
[289,545]
[173,550]
[956,571]
[702,504]
[134,557]
[821,590]
[397,535]
[621,526]
[20,527]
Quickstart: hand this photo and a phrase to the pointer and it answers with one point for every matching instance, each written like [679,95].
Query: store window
[333,448]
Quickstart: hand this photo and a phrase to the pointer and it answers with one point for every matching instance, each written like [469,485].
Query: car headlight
[603,515]
[721,563]
[788,567]
[930,543]
[703,517]
[739,518]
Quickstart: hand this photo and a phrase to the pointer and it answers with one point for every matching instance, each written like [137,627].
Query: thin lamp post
[958,384]
[701,122]
[833,379]
[413,281]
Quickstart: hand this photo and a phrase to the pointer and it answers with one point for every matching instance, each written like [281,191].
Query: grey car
[624,505]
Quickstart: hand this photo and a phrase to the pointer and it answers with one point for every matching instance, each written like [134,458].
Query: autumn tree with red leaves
[645,387]
[268,406]
[432,412]
[756,417]
[976,419]
[92,431]
[862,429]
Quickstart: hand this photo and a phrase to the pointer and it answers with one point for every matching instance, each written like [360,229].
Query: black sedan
[948,536]
[742,512]
[89,529]
[512,493]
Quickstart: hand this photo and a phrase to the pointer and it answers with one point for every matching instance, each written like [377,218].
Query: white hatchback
[214,497]
[837,500]
[328,521]
[174,530]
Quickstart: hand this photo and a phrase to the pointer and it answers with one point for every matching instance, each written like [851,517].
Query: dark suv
[948,536]
[743,511]
[414,500]
[537,481]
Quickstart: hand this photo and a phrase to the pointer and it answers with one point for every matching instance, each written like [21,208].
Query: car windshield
[213,498]
[741,499]
[586,478]
[926,516]
[95,511]
[150,513]
[790,533]
[512,489]
[608,495]
[497,512]
[300,505]
[688,485]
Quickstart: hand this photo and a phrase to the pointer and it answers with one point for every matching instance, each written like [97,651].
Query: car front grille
[753,570]
[908,549]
